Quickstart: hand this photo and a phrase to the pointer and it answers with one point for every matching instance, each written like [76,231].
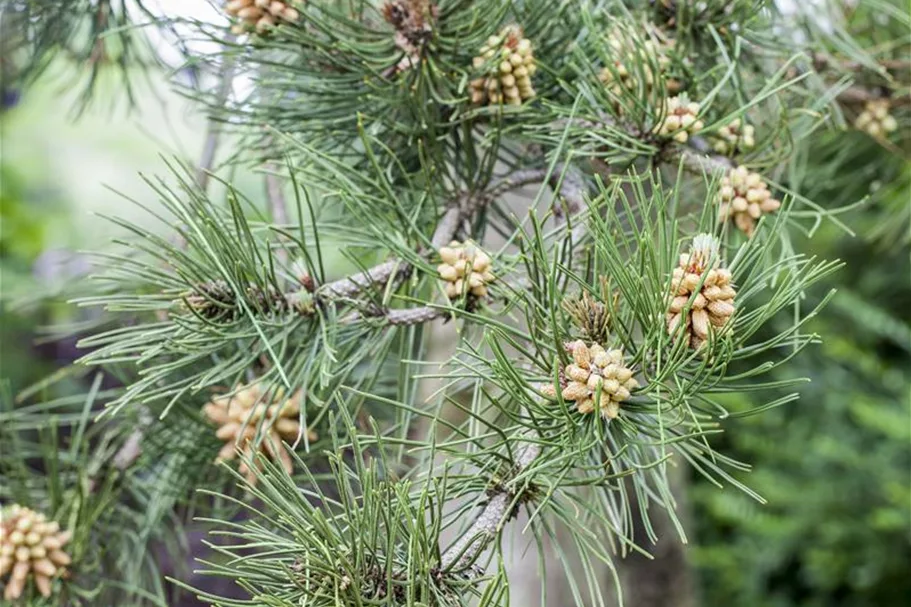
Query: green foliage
[378,160]
[54,472]
[834,474]
[357,538]
[23,228]
[833,466]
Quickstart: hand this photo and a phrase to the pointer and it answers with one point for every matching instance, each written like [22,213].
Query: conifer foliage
[260,368]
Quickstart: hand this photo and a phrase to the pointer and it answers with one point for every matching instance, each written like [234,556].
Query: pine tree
[260,367]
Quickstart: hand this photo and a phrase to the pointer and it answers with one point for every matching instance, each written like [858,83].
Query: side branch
[570,186]
[699,156]
[822,61]
[489,521]
[351,285]
[858,95]
[459,211]
[399,317]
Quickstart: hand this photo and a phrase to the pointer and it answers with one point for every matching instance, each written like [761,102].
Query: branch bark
[278,206]
[489,522]
[399,317]
[276,197]
[822,61]
[570,186]
[414,316]
[856,95]
[700,157]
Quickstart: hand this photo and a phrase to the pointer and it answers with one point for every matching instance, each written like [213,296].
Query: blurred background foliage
[833,466]
[57,177]
[24,220]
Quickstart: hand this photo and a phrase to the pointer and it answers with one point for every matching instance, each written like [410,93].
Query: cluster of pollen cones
[702,296]
[30,546]
[511,64]
[251,419]
[260,15]
[681,119]
[465,267]
[596,379]
[745,197]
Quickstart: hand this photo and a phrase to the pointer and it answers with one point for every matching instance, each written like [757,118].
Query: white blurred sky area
[197,10]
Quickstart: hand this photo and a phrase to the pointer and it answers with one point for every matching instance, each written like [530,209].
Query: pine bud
[681,119]
[591,316]
[745,197]
[701,294]
[30,545]
[596,375]
[465,266]
[507,64]
[249,410]
[260,15]
[875,119]
[733,137]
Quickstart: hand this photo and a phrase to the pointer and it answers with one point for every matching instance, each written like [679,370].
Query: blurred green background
[834,466]
[58,175]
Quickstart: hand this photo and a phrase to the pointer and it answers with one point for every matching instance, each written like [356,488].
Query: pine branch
[822,61]
[571,189]
[859,94]
[487,524]
[352,285]
[129,452]
[517,179]
[701,158]
[401,317]
[458,212]
[697,153]
[637,257]
[414,316]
